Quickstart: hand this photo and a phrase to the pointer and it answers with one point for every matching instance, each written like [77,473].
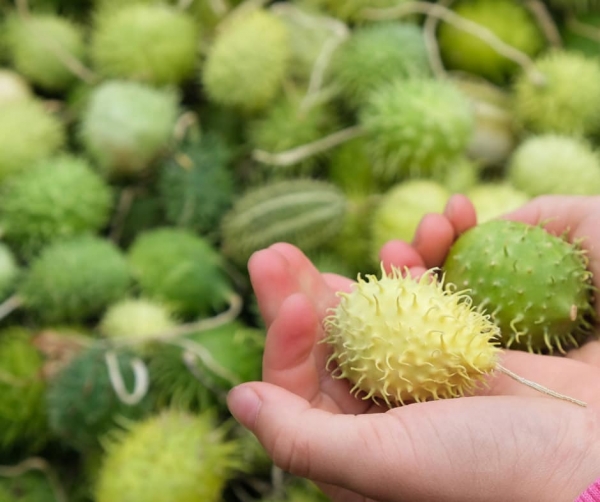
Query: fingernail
[244,405]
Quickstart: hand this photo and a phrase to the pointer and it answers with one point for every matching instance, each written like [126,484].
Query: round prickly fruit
[561,104]
[127,125]
[28,134]
[38,46]
[350,168]
[509,20]
[83,406]
[181,270]
[246,64]
[535,285]
[414,126]
[553,164]
[75,280]
[303,212]
[13,87]
[495,199]
[460,174]
[376,54]
[9,270]
[57,198]
[399,339]
[151,43]
[172,456]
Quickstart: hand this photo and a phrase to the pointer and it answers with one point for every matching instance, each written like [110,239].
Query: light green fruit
[349,168]
[562,104]
[492,200]
[555,164]
[9,271]
[58,198]
[126,126]
[136,318]
[247,62]
[401,208]
[414,126]
[13,87]
[398,339]
[509,20]
[38,46]
[75,280]
[28,134]
[174,456]
[460,174]
[151,43]
[352,10]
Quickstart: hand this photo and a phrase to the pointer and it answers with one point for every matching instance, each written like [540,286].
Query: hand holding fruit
[507,443]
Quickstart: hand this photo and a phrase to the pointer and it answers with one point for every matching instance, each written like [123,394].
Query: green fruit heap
[509,20]
[82,403]
[398,339]
[57,198]
[127,125]
[415,126]
[247,62]
[22,388]
[152,43]
[181,270]
[172,456]
[303,212]
[38,46]
[376,54]
[75,280]
[9,271]
[553,164]
[535,285]
[561,104]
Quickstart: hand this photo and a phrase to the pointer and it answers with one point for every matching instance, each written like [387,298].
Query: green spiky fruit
[460,175]
[31,486]
[352,10]
[247,62]
[181,270]
[349,168]
[398,339]
[83,406]
[509,20]
[57,198]
[562,104]
[535,285]
[136,318]
[303,212]
[493,199]
[554,164]
[196,185]
[13,87]
[75,280]
[414,126]
[9,271]
[151,43]
[172,456]
[376,54]
[38,46]
[28,134]
[127,125]
[22,388]
[196,374]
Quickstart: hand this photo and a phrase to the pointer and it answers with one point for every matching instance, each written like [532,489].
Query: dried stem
[141,379]
[545,21]
[124,204]
[584,29]
[37,464]
[9,305]
[431,44]
[195,351]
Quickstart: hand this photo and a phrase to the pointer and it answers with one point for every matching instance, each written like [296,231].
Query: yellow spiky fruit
[398,339]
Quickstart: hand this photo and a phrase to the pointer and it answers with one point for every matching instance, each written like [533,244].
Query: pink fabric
[592,494]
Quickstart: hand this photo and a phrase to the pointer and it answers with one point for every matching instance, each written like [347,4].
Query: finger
[588,353]
[433,238]
[337,282]
[460,213]
[400,254]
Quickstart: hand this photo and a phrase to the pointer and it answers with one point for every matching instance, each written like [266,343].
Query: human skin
[508,442]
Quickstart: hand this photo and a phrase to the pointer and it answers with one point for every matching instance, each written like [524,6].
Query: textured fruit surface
[535,285]
[173,456]
[351,10]
[493,199]
[13,87]
[135,318]
[399,339]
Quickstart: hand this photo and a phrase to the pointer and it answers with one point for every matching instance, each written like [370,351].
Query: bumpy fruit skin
[303,212]
[172,456]
[247,61]
[35,44]
[563,104]
[509,20]
[398,339]
[9,271]
[376,54]
[135,318]
[555,164]
[151,43]
[535,285]
[57,198]
[181,270]
[415,126]
[75,280]
[351,10]
[13,87]
[492,199]
[127,125]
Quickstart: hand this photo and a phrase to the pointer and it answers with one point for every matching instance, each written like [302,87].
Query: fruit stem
[195,350]
[431,44]
[9,305]
[140,372]
[539,388]
[38,464]
[545,22]
[583,29]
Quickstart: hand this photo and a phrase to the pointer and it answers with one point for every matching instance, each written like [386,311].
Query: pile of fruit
[148,148]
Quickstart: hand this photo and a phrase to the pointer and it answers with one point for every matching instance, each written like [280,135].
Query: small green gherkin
[536,286]
[304,212]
